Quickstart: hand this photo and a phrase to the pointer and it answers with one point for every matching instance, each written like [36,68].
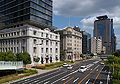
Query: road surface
[96,74]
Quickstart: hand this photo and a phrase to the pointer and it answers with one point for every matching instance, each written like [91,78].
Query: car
[82,69]
[69,67]
[102,63]
[65,64]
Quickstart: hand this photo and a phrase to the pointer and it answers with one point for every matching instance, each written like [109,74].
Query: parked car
[65,64]
[82,69]
[69,67]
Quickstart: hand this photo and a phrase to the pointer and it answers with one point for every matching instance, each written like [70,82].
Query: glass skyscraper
[103,27]
[18,12]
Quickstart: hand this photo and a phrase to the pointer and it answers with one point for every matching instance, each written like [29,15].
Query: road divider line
[98,75]
[88,75]
[75,80]
[46,82]
[65,78]
[68,80]
[87,81]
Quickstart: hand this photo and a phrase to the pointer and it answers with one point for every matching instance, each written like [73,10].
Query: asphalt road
[96,74]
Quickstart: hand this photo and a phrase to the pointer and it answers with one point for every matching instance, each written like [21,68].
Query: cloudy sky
[83,13]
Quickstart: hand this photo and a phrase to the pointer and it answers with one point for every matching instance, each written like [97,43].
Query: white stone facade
[38,43]
[96,45]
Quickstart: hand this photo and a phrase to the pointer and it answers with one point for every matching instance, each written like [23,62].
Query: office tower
[14,13]
[103,27]
[70,43]
[86,42]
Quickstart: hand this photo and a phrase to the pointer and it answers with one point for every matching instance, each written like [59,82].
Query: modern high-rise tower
[103,27]
[14,13]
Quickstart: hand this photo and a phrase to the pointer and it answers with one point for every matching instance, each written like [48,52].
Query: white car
[65,64]
[102,63]
[69,67]
[82,69]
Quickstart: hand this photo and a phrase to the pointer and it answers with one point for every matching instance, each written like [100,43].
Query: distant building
[103,27]
[86,40]
[96,45]
[37,42]
[70,43]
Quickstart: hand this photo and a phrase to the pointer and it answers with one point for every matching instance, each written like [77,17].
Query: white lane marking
[46,82]
[65,79]
[87,81]
[51,77]
[75,80]
[101,82]
[108,77]
[64,76]
[40,77]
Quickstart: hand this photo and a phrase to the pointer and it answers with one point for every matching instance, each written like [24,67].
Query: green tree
[25,57]
[91,54]
[37,59]
[82,56]
[62,55]
[9,56]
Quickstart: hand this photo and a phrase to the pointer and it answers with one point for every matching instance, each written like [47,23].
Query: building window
[50,35]
[46,50]
[18,33]
[46,35]
[56,37]
[41,50]
[23,32]
[34,49]
[34,32]
[56,43]
[56,50]
[23,41]
[51,43]
[51,50]
[23,49]
[47,42]
[15,33]
[35,41]
[42,34]
[42,41]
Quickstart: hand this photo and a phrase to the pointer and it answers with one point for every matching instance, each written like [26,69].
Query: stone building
[37,42]
[70,43]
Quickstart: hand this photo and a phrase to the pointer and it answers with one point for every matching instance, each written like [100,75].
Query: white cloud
[118,41]
[86,7]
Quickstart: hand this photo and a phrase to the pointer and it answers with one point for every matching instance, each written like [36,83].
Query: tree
[62,55]
[37,59]
[82,56]
[25,57]
[9,56]
[91,54]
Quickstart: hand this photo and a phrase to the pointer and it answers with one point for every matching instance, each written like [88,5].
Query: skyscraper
[86,42]
[18,12]
[103,27]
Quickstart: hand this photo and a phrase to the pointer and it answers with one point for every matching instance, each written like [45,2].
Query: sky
[83,13]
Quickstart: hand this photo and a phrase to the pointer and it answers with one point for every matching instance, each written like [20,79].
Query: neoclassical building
[70,43]
[37,42]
